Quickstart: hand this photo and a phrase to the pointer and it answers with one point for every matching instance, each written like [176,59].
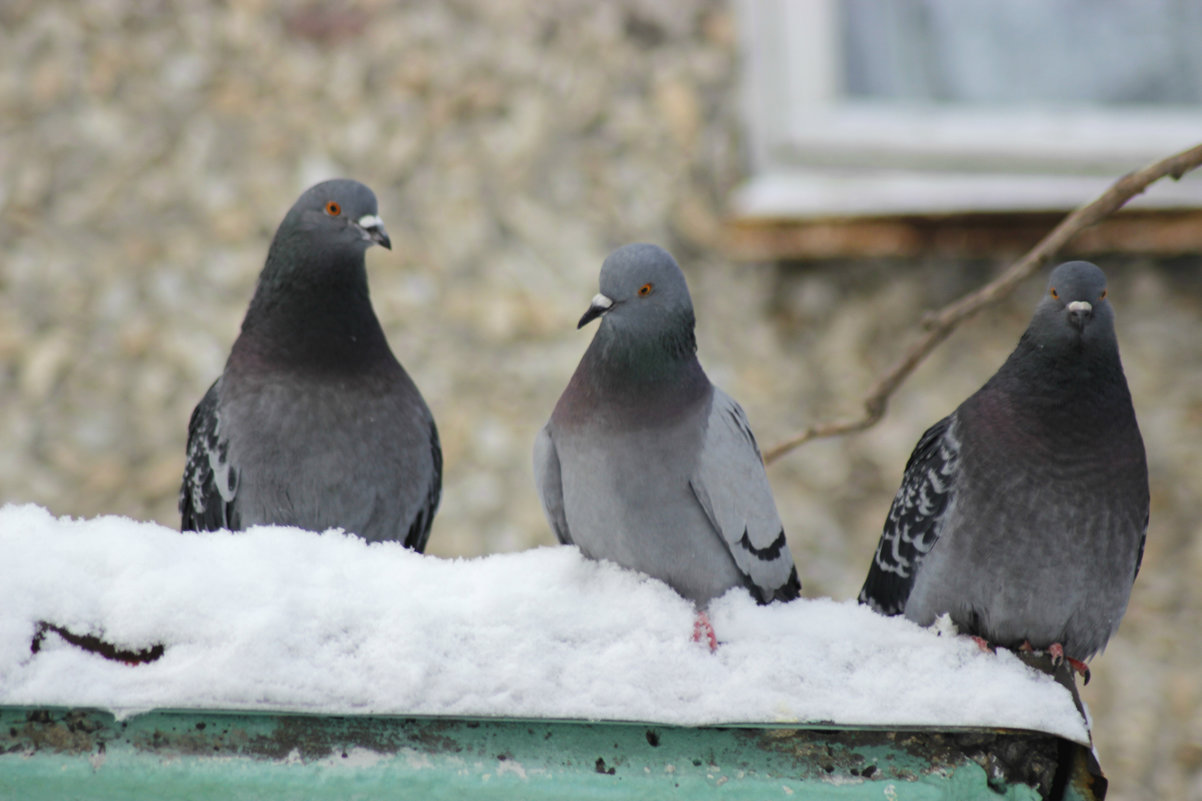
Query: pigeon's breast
[627,498]
[321,454]
[1042,538]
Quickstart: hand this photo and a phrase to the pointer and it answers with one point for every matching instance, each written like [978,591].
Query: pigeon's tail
[789,591]
[885,593]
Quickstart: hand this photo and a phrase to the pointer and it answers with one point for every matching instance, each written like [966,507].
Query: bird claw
[1080,667]
[1056,652]
[702,628]
[982,643]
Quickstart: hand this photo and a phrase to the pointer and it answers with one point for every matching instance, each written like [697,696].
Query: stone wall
[148,150]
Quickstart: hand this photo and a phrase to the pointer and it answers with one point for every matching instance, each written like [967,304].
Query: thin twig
[940,324]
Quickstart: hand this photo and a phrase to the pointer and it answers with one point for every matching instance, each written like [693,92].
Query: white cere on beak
[1080,305]
[370,221]
[601,301]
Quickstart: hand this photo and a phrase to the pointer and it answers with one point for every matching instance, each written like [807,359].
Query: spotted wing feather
[210,486]
[915,519]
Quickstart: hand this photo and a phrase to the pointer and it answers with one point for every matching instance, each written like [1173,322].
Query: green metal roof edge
[125,714]
[55,752]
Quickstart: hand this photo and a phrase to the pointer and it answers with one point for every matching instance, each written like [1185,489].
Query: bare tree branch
[938,325]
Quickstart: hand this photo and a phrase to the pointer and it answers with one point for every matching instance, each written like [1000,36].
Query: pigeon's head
[337,213]
[643,291]
[1075,308]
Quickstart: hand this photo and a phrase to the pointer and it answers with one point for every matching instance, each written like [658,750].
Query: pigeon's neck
[1075,388]
[645,377]
[619,356]
[312,317]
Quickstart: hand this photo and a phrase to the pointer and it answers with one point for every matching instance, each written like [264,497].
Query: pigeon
[1022,515]
[314,423]
[647,464]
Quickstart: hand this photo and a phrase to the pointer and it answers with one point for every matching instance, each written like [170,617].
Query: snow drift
[282,619]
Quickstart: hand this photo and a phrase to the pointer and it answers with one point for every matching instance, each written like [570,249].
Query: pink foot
[1056,651]
[703,629]
[982,643]
[1080,667]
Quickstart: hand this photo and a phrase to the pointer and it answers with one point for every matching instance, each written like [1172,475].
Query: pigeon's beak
[373,229]
[1079,313]
[598,307]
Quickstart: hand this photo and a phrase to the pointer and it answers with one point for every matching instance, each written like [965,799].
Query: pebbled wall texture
[148,150]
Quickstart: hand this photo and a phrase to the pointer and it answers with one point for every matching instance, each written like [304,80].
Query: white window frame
[818,154]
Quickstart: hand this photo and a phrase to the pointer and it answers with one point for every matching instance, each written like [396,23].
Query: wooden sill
[1155,232]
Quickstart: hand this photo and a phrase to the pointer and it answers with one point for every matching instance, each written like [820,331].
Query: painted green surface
[81,754]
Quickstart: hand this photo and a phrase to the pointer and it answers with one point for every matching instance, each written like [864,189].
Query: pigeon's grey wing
[915,518]
[550,485]
[730,484]
[419,530]
[210,485]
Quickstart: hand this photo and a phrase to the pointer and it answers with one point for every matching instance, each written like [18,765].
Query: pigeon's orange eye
[1103,295]
[333,209]
[645,290]
[1055,294]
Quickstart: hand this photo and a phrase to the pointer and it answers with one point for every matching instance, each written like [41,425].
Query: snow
[281,619]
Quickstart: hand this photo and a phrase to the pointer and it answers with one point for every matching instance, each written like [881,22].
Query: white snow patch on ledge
[282,619]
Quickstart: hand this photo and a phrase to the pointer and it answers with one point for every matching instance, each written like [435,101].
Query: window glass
[1022,51]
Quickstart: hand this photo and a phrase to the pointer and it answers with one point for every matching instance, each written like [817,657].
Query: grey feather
[548,481]
[314,423]
[730,484]
[647,464]
[1023,514]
